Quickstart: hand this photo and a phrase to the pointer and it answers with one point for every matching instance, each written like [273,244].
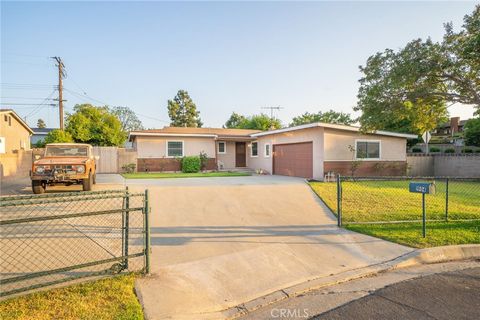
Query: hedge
[191,164]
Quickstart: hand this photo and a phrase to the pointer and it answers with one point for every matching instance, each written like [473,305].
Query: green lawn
[160,175]
[112,298]
[410,234]
[387,201]
[368,201]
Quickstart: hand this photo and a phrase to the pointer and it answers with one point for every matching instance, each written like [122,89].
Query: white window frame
[251,149]
[166,149]
[224,147]
[368,140]
[3,144]
[265,150]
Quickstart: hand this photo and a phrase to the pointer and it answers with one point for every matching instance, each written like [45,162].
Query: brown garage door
[294,159]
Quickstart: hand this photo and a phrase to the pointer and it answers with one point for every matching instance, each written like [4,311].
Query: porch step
[246,170]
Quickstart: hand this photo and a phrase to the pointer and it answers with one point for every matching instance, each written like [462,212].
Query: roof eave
[333,126]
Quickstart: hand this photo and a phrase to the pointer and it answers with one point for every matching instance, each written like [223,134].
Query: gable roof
[334,126]
[17,117]
[42,131]
[246,133]
[195,132]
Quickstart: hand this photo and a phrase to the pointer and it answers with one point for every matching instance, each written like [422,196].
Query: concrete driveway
[221,242]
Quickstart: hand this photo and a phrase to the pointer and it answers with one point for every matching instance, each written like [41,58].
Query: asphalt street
[450,295]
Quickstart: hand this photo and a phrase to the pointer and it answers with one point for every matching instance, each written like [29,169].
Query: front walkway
[220,242]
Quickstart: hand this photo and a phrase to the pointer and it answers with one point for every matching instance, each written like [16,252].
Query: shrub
[129,167]
[416,150]
[57,135]
[203,160]
[191,164]
[477,151]
[467,150]
[450,150]
[434,149]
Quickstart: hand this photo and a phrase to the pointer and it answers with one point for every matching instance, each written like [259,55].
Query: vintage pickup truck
[66,163]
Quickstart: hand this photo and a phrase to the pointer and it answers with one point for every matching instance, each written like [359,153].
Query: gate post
[446,200]
[339,200]
[127,219]
[147,234]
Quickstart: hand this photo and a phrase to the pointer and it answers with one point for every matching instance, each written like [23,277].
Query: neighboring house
[308,151]
[14,132]
[450,128]
[39,134]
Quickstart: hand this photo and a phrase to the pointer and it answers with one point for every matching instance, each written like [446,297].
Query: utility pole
[61,75]
[271,110]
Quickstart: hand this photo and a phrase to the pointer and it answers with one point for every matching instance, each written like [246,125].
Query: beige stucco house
[308,151]
[15,152]
[14,132]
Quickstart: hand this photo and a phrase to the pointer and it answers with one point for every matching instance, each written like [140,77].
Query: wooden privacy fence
[111,159]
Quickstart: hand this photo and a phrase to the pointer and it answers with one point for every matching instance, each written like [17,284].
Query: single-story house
[308,151]
[14,132]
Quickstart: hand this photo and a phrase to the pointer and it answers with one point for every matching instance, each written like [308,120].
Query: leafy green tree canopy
[235,121]
[58,136]
[183,111]
[128,119]
[41,124]
[95,125]
[408,90]
[330,116]
[472,132]
[256,122]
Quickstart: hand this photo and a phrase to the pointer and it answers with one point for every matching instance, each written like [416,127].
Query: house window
[10,121]
[367,149]
[174,148]
[267,150]
[222,147]
[255,149]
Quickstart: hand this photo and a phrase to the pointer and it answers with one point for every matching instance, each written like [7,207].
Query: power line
[10,84]
[24,104]
[85,96]
[24,98]
[40,106]
[142,115]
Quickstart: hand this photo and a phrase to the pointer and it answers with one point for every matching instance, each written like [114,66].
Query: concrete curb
[417,257]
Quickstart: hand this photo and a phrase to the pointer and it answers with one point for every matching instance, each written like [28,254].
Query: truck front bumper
[59,177]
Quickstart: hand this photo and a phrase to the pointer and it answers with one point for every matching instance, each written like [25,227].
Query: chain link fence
[54,238]
[356,200]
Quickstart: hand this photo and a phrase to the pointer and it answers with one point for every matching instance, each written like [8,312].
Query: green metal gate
[50,239]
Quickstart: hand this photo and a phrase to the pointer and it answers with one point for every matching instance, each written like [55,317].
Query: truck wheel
[37,187]
[95,178]
[87,183]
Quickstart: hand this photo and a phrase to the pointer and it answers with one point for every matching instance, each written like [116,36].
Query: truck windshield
[66,151]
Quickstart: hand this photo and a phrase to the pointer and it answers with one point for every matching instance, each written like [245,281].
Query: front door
[240,154]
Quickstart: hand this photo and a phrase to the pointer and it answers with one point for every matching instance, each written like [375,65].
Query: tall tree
[183,111]
[128,118]
[330,116]
[41,124]
[256,122]
[472,132]
[95,125]
[235,121]
[408,90]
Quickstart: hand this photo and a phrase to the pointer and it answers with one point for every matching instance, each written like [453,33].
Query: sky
[230,56]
